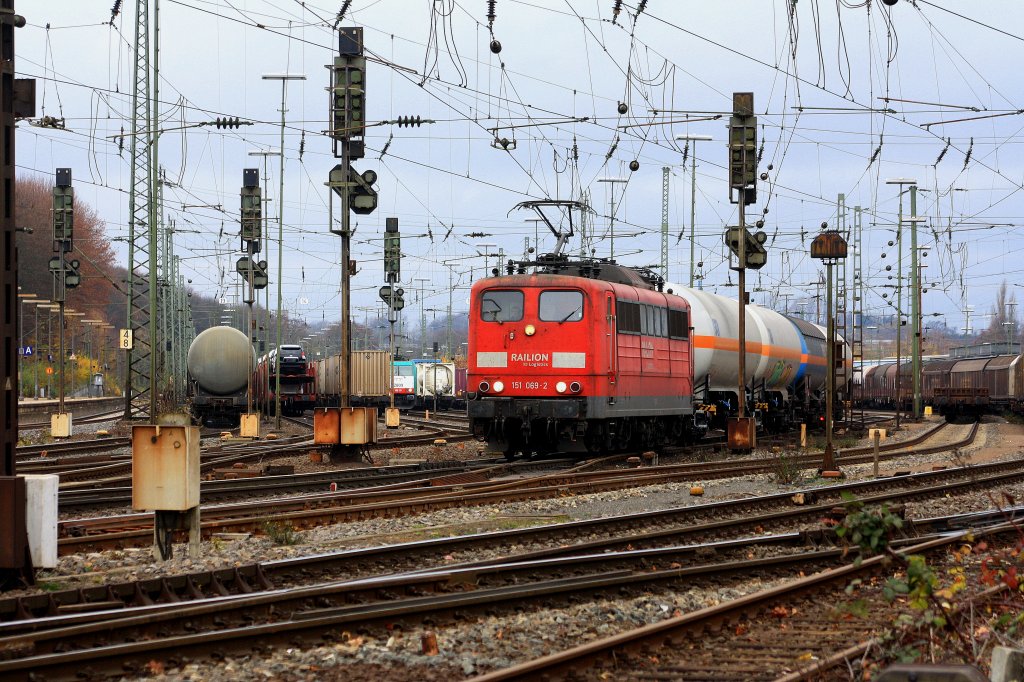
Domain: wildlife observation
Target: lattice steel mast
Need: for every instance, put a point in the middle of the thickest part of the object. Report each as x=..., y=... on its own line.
x=140, y=381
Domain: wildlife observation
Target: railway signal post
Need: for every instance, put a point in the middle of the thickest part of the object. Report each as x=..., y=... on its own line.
x=743, y=179
x=392, y=295
x=254, y=273
x=347, y=426
x=65, y=276
x=830, y=247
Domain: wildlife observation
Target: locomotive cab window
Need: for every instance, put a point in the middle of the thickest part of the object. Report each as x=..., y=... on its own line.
x=501, y=306
x=561, y=306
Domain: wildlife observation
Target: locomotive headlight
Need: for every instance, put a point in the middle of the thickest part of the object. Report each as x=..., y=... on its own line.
x=499, y=386
x=530, y=330
x=484, y=387
x=575, y=387
x=560, y=387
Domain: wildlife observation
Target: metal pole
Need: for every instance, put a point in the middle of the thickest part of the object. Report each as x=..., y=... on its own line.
x=830, y=375
x=346, y=281
x=899, y=310
x=280, y=267
x=741, y=405
x=693, y=207
x=154, y=341
x=21, y=344
x=35, y=335
x=60, y=379
x=448, y=330
x=49, y=350
x=915, y=304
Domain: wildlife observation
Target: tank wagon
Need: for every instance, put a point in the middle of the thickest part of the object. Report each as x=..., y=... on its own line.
x=435, y=384
x=220, y=363
x=596, y=356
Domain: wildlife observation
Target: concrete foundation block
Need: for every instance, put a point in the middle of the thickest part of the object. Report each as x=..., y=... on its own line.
x=1007, y=664
x=41, y=518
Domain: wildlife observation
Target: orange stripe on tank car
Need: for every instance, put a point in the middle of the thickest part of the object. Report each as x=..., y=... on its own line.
x=754, y=348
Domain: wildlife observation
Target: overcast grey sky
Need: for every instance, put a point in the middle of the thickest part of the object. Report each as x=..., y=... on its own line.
x=819, y=77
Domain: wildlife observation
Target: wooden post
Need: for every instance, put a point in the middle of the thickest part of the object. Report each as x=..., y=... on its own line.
x=878, y=437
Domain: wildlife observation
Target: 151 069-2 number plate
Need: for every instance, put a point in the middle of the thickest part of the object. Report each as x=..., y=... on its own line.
x=529, y=385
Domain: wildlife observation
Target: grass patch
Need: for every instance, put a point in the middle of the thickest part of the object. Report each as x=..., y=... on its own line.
x=787, y=471
x=281, y=533
x=1013, y=417
x=838, y=442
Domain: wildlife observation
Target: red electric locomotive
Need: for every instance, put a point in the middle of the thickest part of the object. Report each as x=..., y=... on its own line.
x=587, y=354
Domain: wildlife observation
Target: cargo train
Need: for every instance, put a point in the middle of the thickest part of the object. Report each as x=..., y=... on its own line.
x=590, y=355
x=976, y=380
x=416, y=383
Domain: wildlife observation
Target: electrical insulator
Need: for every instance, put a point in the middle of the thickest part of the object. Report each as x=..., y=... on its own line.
x=409, y=121
x=227, y=122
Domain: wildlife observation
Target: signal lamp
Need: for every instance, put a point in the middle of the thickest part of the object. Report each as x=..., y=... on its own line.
x=484, y=387
x=499, y=387
x=560, y=387
x=530, y=330
x=575, y=387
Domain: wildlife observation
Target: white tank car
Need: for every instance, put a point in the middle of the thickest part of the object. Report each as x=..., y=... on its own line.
x=435, y=378
x=221, y=360
x=777, y=352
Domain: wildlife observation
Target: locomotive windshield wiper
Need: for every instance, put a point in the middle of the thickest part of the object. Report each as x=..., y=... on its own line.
x=493, y=313
x=566, y=318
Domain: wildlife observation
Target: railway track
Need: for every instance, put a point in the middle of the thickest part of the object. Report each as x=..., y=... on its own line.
x=792, y=632
x=391, y=501
x=112, y=415
x=114, y=637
